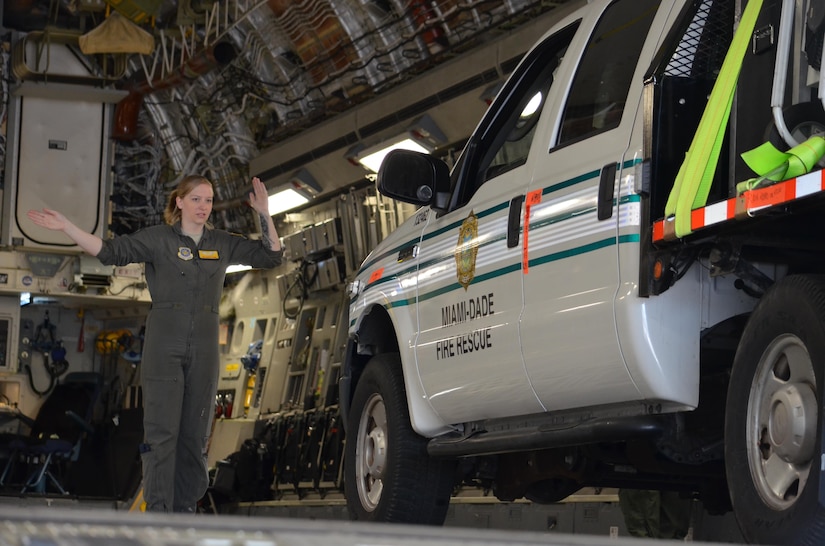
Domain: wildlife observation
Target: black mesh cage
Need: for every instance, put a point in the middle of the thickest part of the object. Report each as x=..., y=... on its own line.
x=683, y=77
x=702, y=49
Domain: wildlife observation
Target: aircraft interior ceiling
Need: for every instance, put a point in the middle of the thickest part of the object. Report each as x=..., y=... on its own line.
x=287, y=90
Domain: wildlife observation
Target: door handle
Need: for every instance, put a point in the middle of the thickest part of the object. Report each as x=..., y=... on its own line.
x=607, y=185
x=514, y=221
x=407, y=253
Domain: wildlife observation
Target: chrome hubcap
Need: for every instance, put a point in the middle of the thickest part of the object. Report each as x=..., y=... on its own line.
x=371, y=452
x=782, y=422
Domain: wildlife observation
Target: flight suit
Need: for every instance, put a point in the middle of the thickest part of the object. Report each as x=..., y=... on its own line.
x=180, y=363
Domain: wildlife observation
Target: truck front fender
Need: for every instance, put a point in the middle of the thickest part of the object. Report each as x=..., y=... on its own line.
x=375, y=332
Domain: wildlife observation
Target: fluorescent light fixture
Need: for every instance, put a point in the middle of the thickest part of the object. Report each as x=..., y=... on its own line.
x=237, y=268
x=286, y=199
x=422, y=135
x=298, y=191
x=372, y=159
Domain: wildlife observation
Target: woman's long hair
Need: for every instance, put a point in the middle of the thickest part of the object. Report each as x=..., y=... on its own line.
x=172, y=213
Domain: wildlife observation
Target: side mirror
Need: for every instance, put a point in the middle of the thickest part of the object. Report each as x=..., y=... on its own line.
x=416, y=178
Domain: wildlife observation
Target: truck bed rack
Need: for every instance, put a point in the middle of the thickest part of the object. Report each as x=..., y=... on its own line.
x=749, y=204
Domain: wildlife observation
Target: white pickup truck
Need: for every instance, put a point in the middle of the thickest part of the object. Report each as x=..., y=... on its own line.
x=602, y=291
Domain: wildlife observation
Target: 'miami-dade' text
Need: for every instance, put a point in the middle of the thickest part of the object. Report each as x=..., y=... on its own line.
x=467, y=341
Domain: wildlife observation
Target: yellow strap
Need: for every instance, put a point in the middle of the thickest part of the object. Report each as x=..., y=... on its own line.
x=692, y=184
x=772, y=166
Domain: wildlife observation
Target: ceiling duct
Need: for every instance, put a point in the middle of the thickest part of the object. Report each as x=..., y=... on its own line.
x=35, y=56
x=138, y=11
x=126, y=113
x=317, y=35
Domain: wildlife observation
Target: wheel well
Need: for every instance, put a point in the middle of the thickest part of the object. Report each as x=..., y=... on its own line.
x=719, y=342
x=718, y=348
x=375, y=335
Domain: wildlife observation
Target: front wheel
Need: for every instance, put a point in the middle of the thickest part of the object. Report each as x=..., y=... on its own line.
x=389, y=476
x=774, y=415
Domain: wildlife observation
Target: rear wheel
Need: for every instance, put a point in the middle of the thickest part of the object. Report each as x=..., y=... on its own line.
x=773, y=416
x=389, y=476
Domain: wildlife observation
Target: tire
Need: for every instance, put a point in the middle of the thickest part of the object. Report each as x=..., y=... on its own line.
x=775, y=395
x=388, y=475
x=803, y=120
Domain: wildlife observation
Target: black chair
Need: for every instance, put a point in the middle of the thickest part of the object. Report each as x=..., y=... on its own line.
x=62, y=422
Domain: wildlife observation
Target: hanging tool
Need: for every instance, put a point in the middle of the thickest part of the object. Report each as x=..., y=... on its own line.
x=81, y=339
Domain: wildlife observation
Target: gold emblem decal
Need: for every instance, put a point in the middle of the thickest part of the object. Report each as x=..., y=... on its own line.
x=466, y=251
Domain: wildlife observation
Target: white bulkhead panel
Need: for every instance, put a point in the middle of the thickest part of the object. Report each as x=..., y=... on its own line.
x=58, y=157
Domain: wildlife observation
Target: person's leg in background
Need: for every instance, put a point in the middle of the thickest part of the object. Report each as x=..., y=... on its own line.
x=640, y=508
x=162, y=396
x=674, y=515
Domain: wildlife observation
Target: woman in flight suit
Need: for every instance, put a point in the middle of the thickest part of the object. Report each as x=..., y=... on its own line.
x=186, y=262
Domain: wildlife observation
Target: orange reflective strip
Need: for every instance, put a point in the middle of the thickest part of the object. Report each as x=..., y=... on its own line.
x=533, y=198
x=658, y=230
x=697, y=219
x=770, y=195
x=749, y=202
x=377, y=274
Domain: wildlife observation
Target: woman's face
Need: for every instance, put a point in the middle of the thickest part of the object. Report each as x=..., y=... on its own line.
x=196, y=206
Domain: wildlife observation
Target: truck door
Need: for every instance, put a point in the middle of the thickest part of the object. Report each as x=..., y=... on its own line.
x=470, y=281
x=572, y=229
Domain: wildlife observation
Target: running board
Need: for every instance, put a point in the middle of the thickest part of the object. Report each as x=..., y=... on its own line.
x=544, y=436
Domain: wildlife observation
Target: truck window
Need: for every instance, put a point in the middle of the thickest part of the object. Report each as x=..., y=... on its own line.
x=523, y=111
x=597, y=97
x=503, y=139
x=516, y=146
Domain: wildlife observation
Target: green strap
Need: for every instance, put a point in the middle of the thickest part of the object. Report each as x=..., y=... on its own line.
x=774, y=166
x=692, y=185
